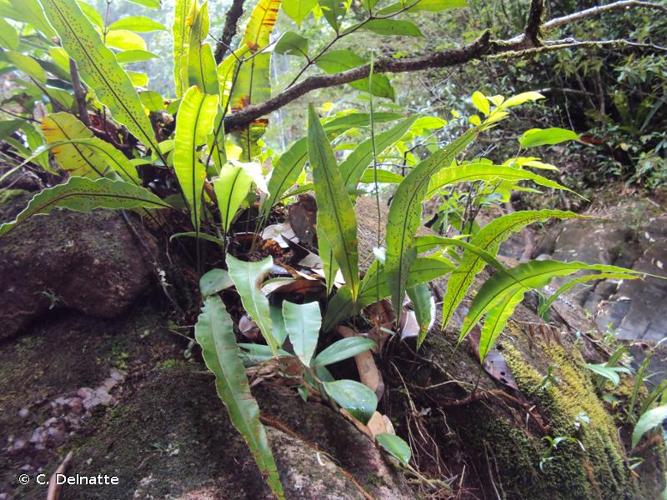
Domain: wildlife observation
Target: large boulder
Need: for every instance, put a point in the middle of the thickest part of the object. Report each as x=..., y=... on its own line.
x=93, y=263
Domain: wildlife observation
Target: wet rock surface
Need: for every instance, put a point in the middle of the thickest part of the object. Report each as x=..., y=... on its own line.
x=633, y=234
x=92, y=263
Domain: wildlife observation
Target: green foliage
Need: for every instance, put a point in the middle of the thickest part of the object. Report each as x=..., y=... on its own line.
x=395, y=446
x=98, y=67
x=302, y=322
x=231, y=188
x=648, y=421
x=215, y=335
x=247, y=277
x=347, y=153
x=502, y=293
x=84, y=195
x=196, y=115
x=336, y=218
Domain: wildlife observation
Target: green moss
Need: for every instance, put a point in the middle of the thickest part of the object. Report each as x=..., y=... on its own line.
x=172, y=364
x=574, y=411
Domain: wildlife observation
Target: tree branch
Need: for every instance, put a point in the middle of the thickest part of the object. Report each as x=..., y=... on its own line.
x=532, y=29
x=229, y=30
x=522, y=45
x=600, y=9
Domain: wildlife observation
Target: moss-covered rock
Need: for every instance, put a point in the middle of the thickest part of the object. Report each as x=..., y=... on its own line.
x=93, y=263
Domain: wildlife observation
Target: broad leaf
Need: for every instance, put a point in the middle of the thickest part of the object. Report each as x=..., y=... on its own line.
x=335, y=61
x=194, y=123
x=302, y=322
x=151, y=4
x=297, y=10
x=395, y=446
x=539, y=137
x=231, y=188
x=649, y=420
x=99, y=68
x=405, y=215
x=292, y=44
x=423, y=5
x=214, y=332
x=133, y=56
x=247, y=277
x=214, y=281
x=392, y=27
x=343, y=349
x=84, y=195
x=125, y=40
x=336, y=217
x=334, y=11
x=355, y=397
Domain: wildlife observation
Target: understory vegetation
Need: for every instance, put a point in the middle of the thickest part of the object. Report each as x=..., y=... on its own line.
x=270, y=230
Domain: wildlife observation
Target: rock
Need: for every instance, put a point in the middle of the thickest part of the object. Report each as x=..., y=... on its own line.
x=91, y=263
x=632, y=233
x=166, y=435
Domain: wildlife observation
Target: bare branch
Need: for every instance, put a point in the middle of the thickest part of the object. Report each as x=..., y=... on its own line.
x=600, y=9
x=523, y=45
x=229, y=30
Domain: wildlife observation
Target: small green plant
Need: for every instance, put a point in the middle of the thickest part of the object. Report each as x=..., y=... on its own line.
x=105, y=137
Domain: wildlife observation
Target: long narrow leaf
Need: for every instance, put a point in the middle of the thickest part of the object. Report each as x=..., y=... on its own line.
x=194, y=123
x=201, y=63
x=489, y=239
x=79, y=152
x=544, y=307
x=405, y=215
x=358, y=160
x=471, y=172
x=423, y=270
x=214, y=332
x=98, y=67
x=231, y=188
x=505, y=290
x=181, y=36
x=84, y=195
x=336, y=217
